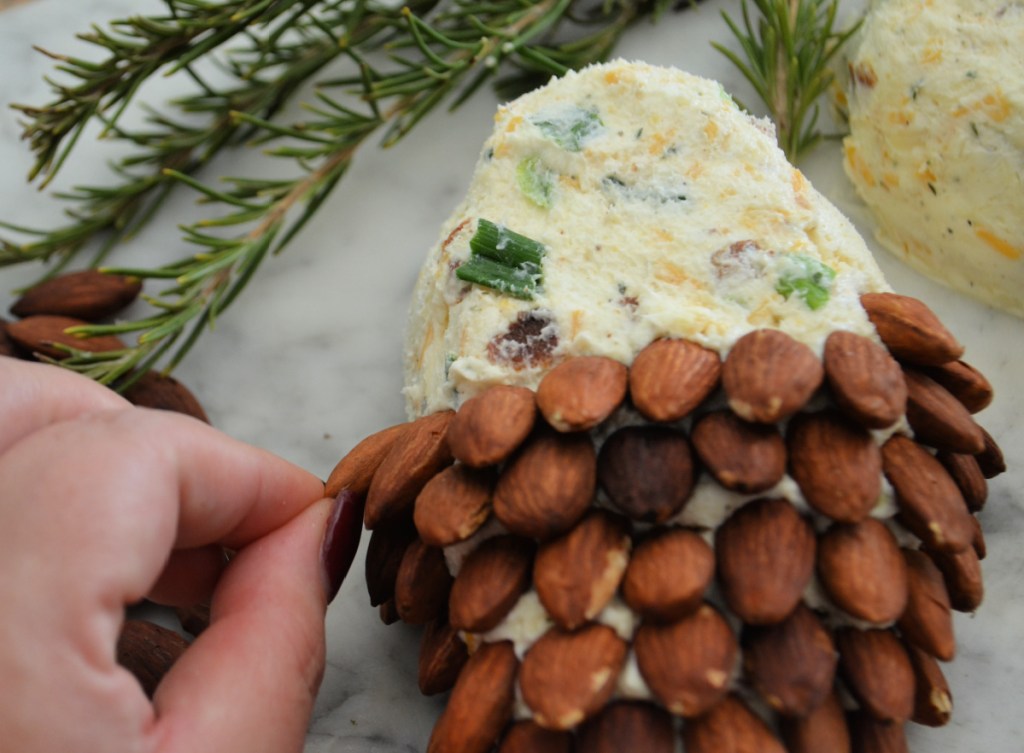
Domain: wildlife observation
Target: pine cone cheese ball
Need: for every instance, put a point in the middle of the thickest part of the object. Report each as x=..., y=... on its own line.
x=725, y=503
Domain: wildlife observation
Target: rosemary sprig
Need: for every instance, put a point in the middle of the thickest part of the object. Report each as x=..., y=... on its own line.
x=787, y=52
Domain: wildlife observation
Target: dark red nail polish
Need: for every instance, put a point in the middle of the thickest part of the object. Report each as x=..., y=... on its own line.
x=341, y=540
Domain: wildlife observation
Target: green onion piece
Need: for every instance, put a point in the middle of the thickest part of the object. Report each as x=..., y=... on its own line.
x=506, y=246
x=536, y=182
x=572, y=129
x=516, y=282
x=807, y=278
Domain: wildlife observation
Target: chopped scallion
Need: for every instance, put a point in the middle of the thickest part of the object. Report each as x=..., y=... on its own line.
x=499, y=243
x=536, y=182
x=572, y=128
x=807, y=278
x=516, y=282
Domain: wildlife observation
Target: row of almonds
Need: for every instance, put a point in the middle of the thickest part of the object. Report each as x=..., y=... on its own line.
x=536, y=463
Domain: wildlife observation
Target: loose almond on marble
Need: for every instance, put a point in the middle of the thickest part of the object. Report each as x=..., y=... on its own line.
x=836, y=464
x=527, y=737
x=769, y=376
x=453, y=505
x=990, y=460
x=443, y=654
x=628, y=726
x=581, y=392
x=730, y=727
x=577, y=574
x=865, y=380
x=668, y=575
x=356, y=469
x=743, y=457
x=765, y=558
x=154, y=390
x=870, y=735
x=688, y=663
x=961, y=572
x=490, y=426
x=480, y=704
x=933, y=703
x=44, y=333
x=939, y=419
x=90, y=295
x=927, y=621
x=647, y=472
x=384, y=557
x=877, y=672
x=669, y=378
x=862, y=570
x=967, y=475
x=567, y=677
x=823, y=730
x=422, y=584
x=965, y=383
x=491, y=580
x=910, y=330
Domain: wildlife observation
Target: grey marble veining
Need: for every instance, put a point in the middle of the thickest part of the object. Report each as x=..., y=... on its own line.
x=307, y=362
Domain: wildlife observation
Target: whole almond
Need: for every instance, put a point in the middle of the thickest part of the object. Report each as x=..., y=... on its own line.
x=388, y=612
x=490, y=426
x=647, y=472
x=862, y=570
x=44, y=333
x=823, y=730
x=870, y=735
x=687, y=664
x=567, y=677
x=965, y=383
x=148, y=651
x=877, y=672
x=194, y=618
x=154, y=390
x=480, y=704
x=668, y=575
x=910, y=330
x=491, y=580
x=978, y=539
x=669, y=378
x=927, y=621
x=769, y=376
x=577, y=574
x=7, y=345
x=939, y=419
x=961, y=572
x=548, y=485
x=453, y=505
x=967, y=475
x=730, y=727
x=765, y=558
x=356, y=469
x=743, y=457
x=422, y=584
x=443, y=654
x=384, y=557
x=581, y=392
x=90, y=295
x=836, y=464
x=866, y=382
x=528, y=737
x=933, y=703
x=628, y=726
x=930, y=504
x=990, y=460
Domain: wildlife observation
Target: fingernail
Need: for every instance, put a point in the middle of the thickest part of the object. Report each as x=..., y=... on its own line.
x=341, y=540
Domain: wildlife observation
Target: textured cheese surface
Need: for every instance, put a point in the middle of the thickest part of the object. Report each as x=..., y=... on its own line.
x=936, y=105
x=666, y=211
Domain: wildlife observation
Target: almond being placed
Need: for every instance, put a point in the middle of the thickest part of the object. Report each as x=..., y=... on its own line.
x=453, y=505
x=628, y=726
x=877, y=672
x=43, y=333
x=769, y=376
x=933, y=703
x=384, y=557
x=356, y=469
x=491, y=580
x=730, y=727
x=581, y=392
x=90, y=295
x=927, y=621
x=743, y=457
x=910, y=330
x=823, y=730
x=647, y=472
x=148, y=651
x=155, y=390
x=527, y=737
x=490, y=426
x=939, y=419
x=668, y=575
x=443, y=654
x=669, y=378
x=866, y=382
x=967, y=475
x=961, y=572
x=965, y=383
x=422, y=584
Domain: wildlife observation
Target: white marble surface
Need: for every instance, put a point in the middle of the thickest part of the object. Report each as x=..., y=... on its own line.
x=307, y=362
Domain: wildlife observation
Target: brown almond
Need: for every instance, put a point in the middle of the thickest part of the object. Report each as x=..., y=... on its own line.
x=148, y=651
x=836, y=464
x=933, y=703
x=44, y=333
x=577, y=574
x=965, y=383
x=863, y=571
x=669, y=378
x=765, y=558
x=730, y=727
x=910, y=330
x=422, y=584
x=548, y=485
x=388, y=612
x=416, y=455
x=647, y=472
x=90, y=295
x=154, y=390
x=870, y=735
x=490, y=426
x=961, y=572
x=877, y=672
x=978, y=539
x=939, y=419
x=356, y=469
x=384, y=557
x=967, y=475
x=581, y=392
x=687, y=664
x=443, y=654
x=823, y=730
x=927, y=621
x=792, y=664
x=7, y=345
x=480, y=704
x=866, y=382
x=628, y=726
x=930, y=504
x=990, y=460
x=743, y=457
x=567, y=677
x=769, y=376
x=668, y=575
x=453, y=505
x=528, y=737
x=491, y=580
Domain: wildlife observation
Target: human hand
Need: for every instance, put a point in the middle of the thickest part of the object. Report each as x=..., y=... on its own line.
x=102, y=504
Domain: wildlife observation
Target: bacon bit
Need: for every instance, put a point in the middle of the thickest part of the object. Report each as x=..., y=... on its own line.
x=453, y=233
x=630, y=302
x=529, y=342
x=863, y=74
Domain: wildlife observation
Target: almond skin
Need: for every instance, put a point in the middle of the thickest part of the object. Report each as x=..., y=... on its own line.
x=528, y=737
x=910, y=330
x=453, y=505
x=743, y=457
x=442, y=656
x=628, y=727
x=939, y=419
x=581, y=392
x=647, y=472
x=933, y=703
x=491, y=580
x=422, y=584
x=730, y=727
x=668, y=575
x=990, y=460
x=356, y=469
x=7, y=346
x=670, y=378
x=870, y=735
x=384, y=557
x=823, y=729
x=148, y=651
x=967, y=475
x=961, y=572
x=965, y=383
x=877, y=672
x=927, y=621
x=43, y=333
x=90, y=295
x=490, y=426
x=866, y=382
x=154, y=390
x=863, y=571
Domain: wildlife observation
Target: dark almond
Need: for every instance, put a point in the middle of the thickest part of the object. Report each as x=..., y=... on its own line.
x=910, y=330
x=640, y=727
x=480, y=704
x=939, y=419
x=647, y=472
x=491, y=580
x=548, y=485
x=90, y=295
x=792, y=664
x=388, y=612
x=965, y=383
x=769, y=376
x=668, y=575
x=577, y=574
x=866, y=382
x=990, y=460
x=765, y=558
x=823, y=730
x=836, y=464
x=927, y=621
x=356, y=469
x=194, y=618
x=490, y=426
x=7, y=345
x=568, y=677
x=877, y=672
x=730, y=727
x=863, y=571
x=581, y=392
x=670, y=378
x=416, y=455
x=383, y=558
x=453, y=505
x=962, y=574
x=687, y=664
x=44, y=333
x=930, y=504
x=528, y=737
x=743, y=457
x=148, y=651
x=443, y=654
x=870, y=735
x=422, y=584
x=933, y=703
x=154, y=390
x=967, y=475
